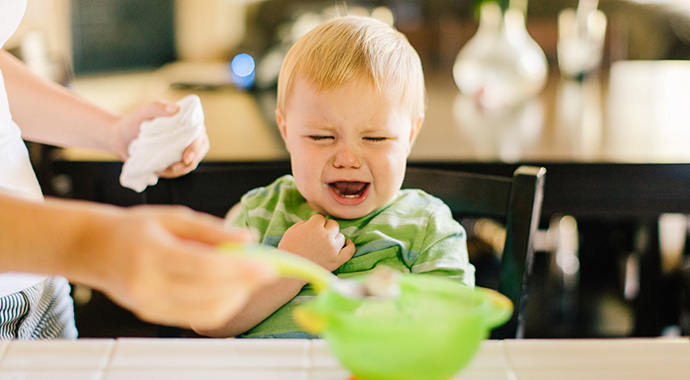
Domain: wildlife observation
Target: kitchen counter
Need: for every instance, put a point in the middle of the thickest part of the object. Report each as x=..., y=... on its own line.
x=236, y=359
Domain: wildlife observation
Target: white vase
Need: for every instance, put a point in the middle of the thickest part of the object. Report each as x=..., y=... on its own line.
x=501, y=65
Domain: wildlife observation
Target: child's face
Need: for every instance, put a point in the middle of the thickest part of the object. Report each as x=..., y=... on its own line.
x=348, y=146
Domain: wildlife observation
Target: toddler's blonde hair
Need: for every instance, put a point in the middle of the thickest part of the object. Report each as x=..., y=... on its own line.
x=353, y=47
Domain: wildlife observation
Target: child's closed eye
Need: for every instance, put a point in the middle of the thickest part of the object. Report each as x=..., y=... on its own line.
x=376, y=139
x=320, y=137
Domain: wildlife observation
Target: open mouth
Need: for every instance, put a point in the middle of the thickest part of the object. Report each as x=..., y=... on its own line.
x=349, y=190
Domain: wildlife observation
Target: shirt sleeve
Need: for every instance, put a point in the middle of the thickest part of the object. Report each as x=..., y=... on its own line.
x=239, y=218
x=444, y=248
x=258, y=206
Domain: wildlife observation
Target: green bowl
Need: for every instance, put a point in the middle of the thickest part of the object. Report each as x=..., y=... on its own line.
x=430, y=332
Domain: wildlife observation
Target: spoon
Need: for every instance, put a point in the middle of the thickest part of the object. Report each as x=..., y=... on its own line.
x=381, y=283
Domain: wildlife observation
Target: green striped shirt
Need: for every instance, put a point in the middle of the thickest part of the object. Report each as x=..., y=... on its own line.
x=414, y=233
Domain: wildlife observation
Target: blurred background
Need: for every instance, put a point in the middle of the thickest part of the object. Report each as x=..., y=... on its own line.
x=102, y=36
x=110, y=51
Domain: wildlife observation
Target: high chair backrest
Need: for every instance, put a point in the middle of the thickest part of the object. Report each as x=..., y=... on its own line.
x=513, y=201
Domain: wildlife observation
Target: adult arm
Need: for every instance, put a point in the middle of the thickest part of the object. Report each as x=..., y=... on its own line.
x=159, y=262
x=51, y=114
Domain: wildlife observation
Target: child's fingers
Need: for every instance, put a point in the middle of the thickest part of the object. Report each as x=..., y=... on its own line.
x=348, y=250
x=332, y=227
x=339, y=240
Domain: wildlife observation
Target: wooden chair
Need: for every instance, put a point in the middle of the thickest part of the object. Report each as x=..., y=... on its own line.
x=516, y=202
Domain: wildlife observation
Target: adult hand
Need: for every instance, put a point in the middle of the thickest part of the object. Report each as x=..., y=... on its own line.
x=162, y=263
x=128, y=129
x=191, y=157
x=319, y=240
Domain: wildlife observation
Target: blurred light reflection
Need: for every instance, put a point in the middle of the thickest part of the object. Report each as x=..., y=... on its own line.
x=242, y=67
x=506, y=133
x=579, y=117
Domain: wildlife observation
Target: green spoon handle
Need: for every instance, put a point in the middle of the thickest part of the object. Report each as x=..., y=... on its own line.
x=285, y=263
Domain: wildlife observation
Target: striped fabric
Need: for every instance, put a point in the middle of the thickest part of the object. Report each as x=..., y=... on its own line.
x=43, y=311
x=414, y=233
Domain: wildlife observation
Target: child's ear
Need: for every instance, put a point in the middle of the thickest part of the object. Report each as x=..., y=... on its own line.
x=414, y=132
x=280, y=120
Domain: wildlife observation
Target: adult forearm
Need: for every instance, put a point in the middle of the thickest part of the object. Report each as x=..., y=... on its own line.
x=49, y=113
x=44, y=238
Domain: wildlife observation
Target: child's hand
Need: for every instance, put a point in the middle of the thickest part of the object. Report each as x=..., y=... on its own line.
x=320, y=241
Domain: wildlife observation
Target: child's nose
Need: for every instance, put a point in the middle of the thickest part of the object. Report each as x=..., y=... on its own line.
x=346, y=157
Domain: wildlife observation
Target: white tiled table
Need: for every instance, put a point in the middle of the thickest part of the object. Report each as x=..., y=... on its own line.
x=230, y=359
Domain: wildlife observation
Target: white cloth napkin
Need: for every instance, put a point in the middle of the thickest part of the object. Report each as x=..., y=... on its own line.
x=161, y=142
